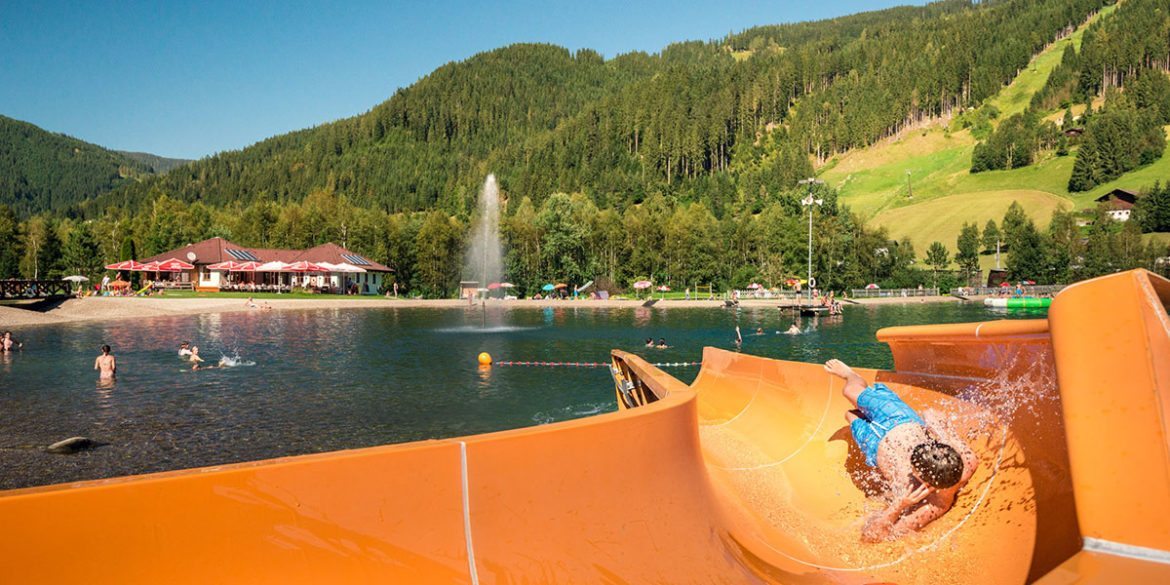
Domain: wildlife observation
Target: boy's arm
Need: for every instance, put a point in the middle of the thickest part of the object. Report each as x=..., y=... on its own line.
x=891, y=523
x=113, y=364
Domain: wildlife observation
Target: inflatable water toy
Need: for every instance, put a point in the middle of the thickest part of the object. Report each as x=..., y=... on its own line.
x=1018, y=302
x=744, y=476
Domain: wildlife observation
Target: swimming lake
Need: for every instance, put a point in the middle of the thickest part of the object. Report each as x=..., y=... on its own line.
x=309, y=381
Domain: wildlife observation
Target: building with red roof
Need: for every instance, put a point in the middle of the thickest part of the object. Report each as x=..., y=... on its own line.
x=343, y=270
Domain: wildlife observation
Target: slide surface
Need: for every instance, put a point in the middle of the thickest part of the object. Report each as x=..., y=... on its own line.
x=748, y=475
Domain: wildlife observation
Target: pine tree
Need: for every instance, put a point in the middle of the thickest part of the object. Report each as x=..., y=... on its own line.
x=938, y=258
x=1027, y=260
x=1014, y=222
x=991, y=236
x=967, y=249
x=79, y=255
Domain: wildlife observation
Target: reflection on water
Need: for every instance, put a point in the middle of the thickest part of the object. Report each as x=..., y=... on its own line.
x=321, y=380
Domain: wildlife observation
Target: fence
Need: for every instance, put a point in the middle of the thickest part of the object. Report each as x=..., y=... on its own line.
x=992, y=291
x=881, y=293
x=34, y=289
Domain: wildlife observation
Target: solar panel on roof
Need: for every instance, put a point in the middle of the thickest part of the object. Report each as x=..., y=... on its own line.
x=355, y=259
x=243, y=255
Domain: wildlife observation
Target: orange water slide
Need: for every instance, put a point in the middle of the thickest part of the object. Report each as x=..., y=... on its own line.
x=746, y=476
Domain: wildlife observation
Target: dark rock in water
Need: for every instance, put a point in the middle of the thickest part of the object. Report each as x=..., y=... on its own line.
x=73, y=445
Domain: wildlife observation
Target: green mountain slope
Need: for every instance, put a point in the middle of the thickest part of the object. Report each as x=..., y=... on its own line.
x=727, y=122
x=933, y=164
x=157, y=164
x=44, y=171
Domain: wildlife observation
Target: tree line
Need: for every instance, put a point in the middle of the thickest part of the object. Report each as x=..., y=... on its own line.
x=567, y=238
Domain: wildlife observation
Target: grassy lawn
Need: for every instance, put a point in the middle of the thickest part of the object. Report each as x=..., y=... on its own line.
x=1162, y=238
x=942, y=219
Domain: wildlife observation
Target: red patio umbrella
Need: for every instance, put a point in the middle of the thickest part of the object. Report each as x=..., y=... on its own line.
x=493, y=286
x=174, y=265
x=228, y=265
x=125, y=265
x=249, y=266
x=305, y=266
x=149, y=267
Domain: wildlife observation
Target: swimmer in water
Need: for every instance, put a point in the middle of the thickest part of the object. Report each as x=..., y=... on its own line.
x=662, y=343
x=759, y=330
x=185, y=349
x=923, y=461
x=196, y=360
x=793, y=330
x=738, y=336
x=649, y=342
x=106, y=364
x=7, y=343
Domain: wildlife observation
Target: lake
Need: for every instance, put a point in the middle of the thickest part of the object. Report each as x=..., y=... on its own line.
x=322, y=380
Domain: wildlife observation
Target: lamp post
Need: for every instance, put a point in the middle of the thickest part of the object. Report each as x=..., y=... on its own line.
x=909, y=188
x=809, y=202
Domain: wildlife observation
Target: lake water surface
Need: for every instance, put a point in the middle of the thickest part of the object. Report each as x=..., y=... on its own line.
x=323, y=380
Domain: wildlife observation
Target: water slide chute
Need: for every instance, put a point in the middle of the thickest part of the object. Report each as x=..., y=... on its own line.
x=745, y=476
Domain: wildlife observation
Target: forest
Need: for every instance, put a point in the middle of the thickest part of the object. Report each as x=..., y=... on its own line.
x=681, y=166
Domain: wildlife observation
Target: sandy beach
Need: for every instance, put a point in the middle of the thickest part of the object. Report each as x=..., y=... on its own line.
x=111, y=308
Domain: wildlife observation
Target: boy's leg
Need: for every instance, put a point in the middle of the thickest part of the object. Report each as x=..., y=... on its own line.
x=854, y=384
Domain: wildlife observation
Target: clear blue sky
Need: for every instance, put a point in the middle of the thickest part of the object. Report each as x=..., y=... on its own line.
x=188, y=79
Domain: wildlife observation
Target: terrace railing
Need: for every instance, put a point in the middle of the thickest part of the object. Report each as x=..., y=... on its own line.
x=992, y=291
x=882, y=293
x=35, y=289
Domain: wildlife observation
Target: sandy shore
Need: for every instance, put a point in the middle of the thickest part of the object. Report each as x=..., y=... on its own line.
x=110, y=308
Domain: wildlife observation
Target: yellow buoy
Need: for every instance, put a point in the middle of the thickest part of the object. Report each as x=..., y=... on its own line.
x=485, y=359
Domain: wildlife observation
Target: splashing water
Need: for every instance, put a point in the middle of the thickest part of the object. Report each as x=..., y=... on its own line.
x=234, y=361
x=484, y=262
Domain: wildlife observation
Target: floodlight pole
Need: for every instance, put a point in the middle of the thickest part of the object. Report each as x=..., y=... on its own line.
x=809, y=202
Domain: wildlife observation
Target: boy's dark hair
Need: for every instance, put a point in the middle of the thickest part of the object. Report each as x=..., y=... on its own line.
x=105, y=349
x=938, y=464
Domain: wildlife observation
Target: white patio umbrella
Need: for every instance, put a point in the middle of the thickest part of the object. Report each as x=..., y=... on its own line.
x=76, y=278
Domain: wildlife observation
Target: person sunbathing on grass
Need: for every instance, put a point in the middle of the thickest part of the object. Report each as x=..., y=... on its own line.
x=923, y=462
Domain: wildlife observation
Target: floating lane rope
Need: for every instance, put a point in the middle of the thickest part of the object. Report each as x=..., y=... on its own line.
x=590, y=364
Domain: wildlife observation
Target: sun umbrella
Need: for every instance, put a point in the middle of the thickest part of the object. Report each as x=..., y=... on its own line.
x=1005, y=283
x=507, y=285
x=642, y=284
x=274, y=266
x=547, y=287
x=754, y=285
x=149, y=267
x=174, y=265
x=663, y=288
x=250, y=266
x=561, y=285
x=228, y=265
x=493, y=286
x=305, y=266
x=125, y=265
x=76, y=278
x=346, y=267
x=872, y=286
